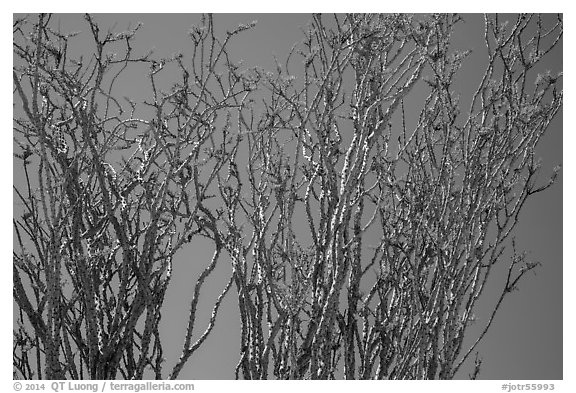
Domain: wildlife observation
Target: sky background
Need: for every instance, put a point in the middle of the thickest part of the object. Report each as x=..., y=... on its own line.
x=525, y=341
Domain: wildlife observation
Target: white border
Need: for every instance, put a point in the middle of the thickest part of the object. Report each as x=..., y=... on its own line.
x=298, y=6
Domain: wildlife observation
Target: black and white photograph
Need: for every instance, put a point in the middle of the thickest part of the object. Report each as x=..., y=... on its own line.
x=288, y=196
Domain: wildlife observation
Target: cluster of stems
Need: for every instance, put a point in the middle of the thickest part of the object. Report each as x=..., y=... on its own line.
x=359, y=240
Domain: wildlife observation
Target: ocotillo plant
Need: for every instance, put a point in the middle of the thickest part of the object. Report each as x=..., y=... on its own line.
x=360, y=242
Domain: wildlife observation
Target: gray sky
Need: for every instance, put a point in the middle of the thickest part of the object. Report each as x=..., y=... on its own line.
x=525, y=341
